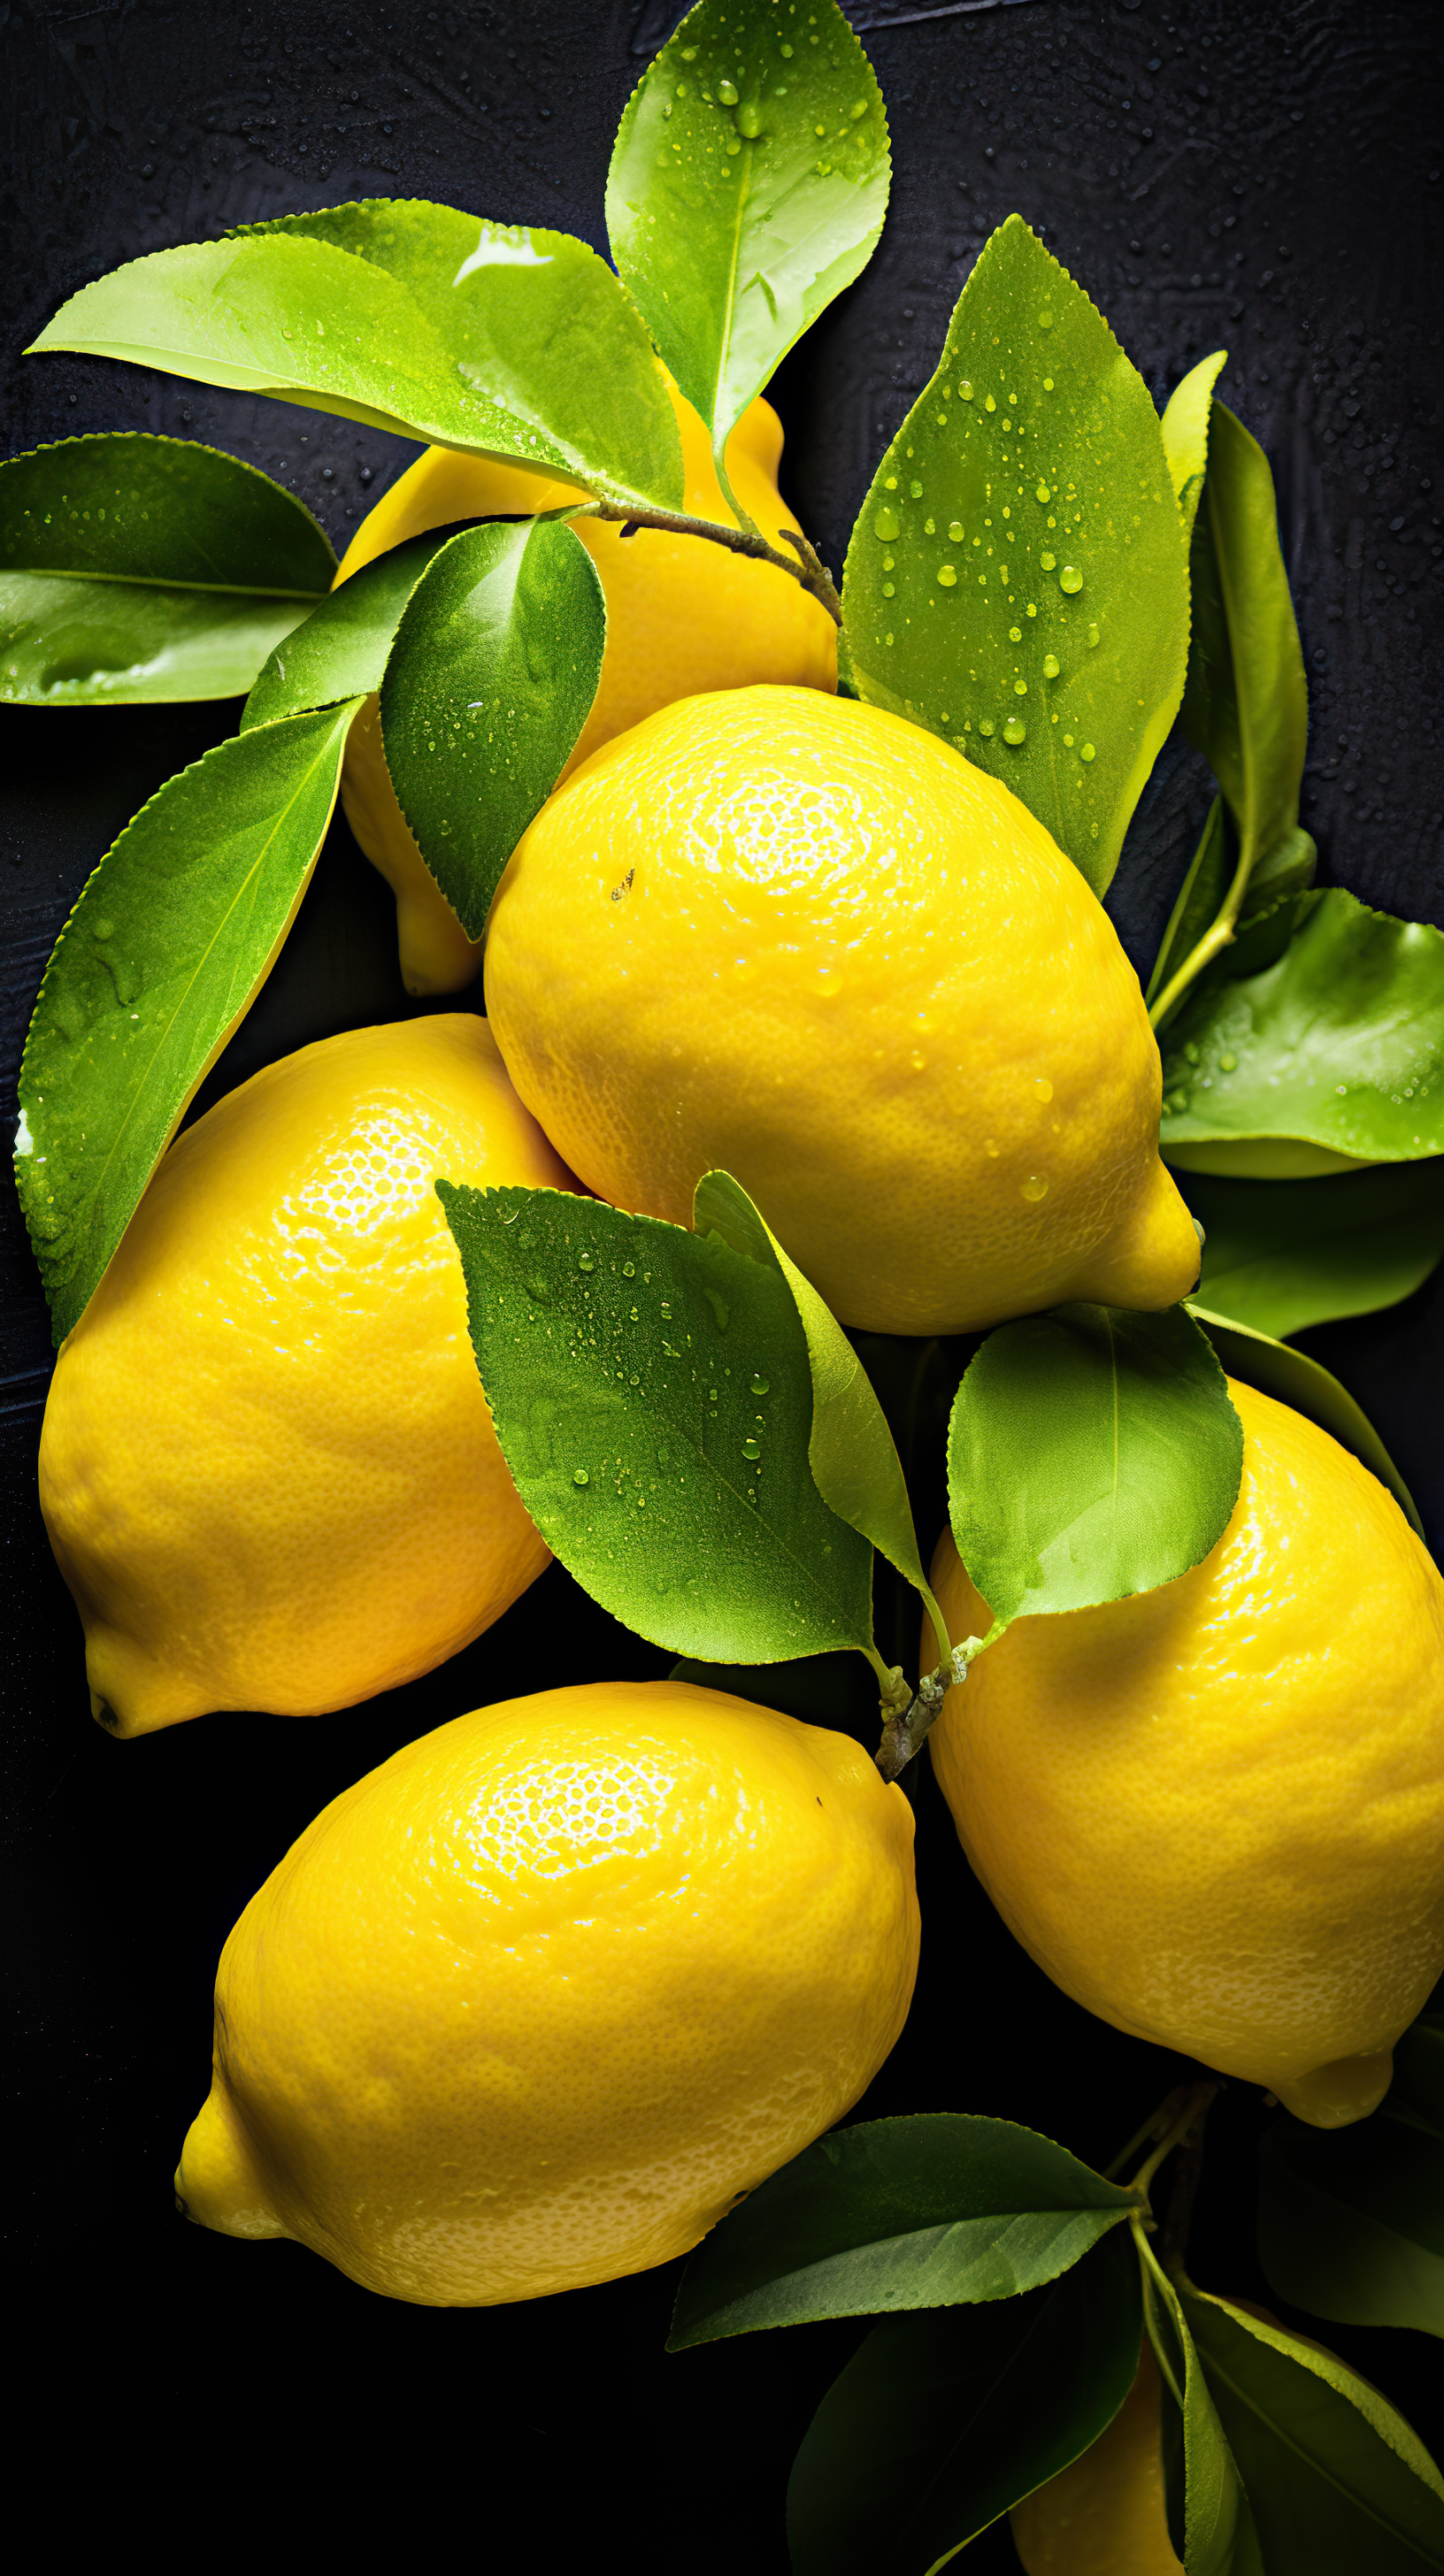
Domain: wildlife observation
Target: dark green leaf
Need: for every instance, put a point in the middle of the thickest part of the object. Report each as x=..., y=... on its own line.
x=490, y=681
x=499, y=339
x=136, y=568
x=1287, y=1374
x=1334, y=1055
x=622, y=1359
x=341, y=650
x=1351, y=2222
x=1200, y=897
x=747, y=188
x=913, y=2213
x=1210, y=2523
x=1281, y=1255
x=943, y=2421
x=1185, y=434
x=1416, y=2095
x=1091, y=1453
x=1023, y=518
x=173, y=935
x=1337, y=2481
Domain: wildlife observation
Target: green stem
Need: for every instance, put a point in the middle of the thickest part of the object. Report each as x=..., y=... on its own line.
x=743, y=517
x=738, y=541
x=1193, y=2112
x=1218, y=936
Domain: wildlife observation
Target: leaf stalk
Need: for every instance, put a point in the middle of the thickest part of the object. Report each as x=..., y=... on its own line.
x=810, y=571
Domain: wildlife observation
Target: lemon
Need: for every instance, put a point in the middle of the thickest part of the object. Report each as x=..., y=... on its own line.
x=1105, y=2515
x=1214, y=1813
x=267, y=1466
x=800, y=939
x=537, y=2001
x=683, y=614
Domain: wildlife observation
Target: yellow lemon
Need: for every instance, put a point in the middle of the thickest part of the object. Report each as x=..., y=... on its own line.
x=1214, y=1813
x=682, y=615
x=537, y=2001
x=801, y=939
x=1105, y=2515
x=267, y=1466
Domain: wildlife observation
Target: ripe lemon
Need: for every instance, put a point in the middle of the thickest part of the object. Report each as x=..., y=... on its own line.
x=1105, y=2515
x=534, y=2003
x=682, y=615
x=1214, y=1813
x=267, y=1466
x=801, y=939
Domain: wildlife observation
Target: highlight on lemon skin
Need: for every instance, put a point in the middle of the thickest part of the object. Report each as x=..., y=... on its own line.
x=267, y=1467
x=795, y=938
x=1214, y=1812
x=683, y=614
x=630, y=1947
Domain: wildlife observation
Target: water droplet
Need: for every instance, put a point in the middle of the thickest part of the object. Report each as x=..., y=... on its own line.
x=889, y=590
x=580, y=1476
x=666, y=1311
x=786, y=51
x=1035, y=1187
x=887, y=526
x=1088, y=752
x=1043, y=1087
x=955, y=532
x=965, y=390
x=1045, y=318
x=1020, y=688
x=629, y=1270
x=947, y=575
x=1051, y=666
x=1047, y=562
x=916, y=490
x=1015, y=731
x=986, y=725
x=1191, y=1052
x=988, y=403
x=104, y=929
x=857, y=109
x=1092, y=634
x=1047, y=384
x=1228, y=1064
x=829, y=978
x=990, y=1149
x=751, y=1448
x=1043, y=492
x=585, y=1261
x=727, y=92
x=733, y=148
x=1015, y=635
x=749, y=121
x=758, y=1384
x=1070, y=579
x=918, y=1061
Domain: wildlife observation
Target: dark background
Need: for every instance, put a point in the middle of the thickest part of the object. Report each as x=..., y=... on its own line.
x=1261, y=174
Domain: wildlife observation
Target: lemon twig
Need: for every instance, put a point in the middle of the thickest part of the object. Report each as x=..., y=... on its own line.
x=1185, y=2130
x=1218, y=936
x=904, y=1731
x=811, y=572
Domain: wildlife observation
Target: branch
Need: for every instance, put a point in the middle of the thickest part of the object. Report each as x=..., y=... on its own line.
x=810, y=572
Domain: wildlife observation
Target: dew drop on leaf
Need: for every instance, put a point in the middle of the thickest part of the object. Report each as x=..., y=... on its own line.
x=1070, y=579
x=585, y=1261
x=1015, y=731
x=1051, y=666
x=580, y=1476
x=965, y=390
x=947, y=575
x=886, y=525
x=758, y=1384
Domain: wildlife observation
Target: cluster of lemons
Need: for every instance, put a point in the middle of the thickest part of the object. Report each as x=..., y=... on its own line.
x=537, y=2001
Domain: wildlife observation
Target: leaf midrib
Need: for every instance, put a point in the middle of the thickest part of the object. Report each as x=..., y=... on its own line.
x=154, y=581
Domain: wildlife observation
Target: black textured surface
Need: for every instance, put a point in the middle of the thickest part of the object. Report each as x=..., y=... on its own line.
x=1261, y=174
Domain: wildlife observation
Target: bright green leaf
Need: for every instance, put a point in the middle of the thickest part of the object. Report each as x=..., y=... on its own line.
x=911, y=2213
x=1267, y=913
x=490, y=681
x=173, y=935
x=137, y=568
x=1017, y=580
x=1092, y=1453
x=1282, y=1255
x=1351, y=2222
x=1335, y=1054
x=942, y=2421
x=1211, y=2524
x=1185, y=434
x=1337, y=2481
x=1292, y=1378
x=497, y=339
x=341, y=650
x=653, y=1401
x=747, y=189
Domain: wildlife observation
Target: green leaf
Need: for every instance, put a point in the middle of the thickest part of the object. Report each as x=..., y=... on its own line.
x=341, y=650
x=941, y=2422
x=854, y=1459
x=1267, y=913
x=964, y=585
x=1185, y=434
x=490, y=681
x=1351, y=2222
x=1337, y=2481
x=1416, y=2095
x=174, y=933
x=498, y=339
x=1091, y=1453
x=748, y=187
x=911, y=2213
x=1281, y=1255
x=1335, y=1054
x=1199, y=899
x=1294, y=1379
x=1211, y=2524
x=652, y=1397
x=137, y=568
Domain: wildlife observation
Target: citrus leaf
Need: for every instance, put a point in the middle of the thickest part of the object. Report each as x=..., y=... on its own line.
x=1092, y=1453
x=173, y=935
x=499, y=339
x=1017, y=579
x=941, y=2422
x=490, y=681
x=1334, y=1054
x=136, y=568
x=1282, y=1255
x=911, y=2213
x=854, y=1459
x=1185, y=434
x=1199, y=899
x=1416, y=2095
x=652, y=1398
x=341, y=650
x=748, y=187
x=1210, y=2522
x=1336, y=2480
x=1292, y=1377
x=1351, y=2222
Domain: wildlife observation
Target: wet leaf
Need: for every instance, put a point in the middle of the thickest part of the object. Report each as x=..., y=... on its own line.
x=341, y=650
x=1017, y=579
x=1294, y=1379
x=174, y=933
x=1351, y=2221
x=1282, y=1255
x=135, y=569
x=747, y=189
